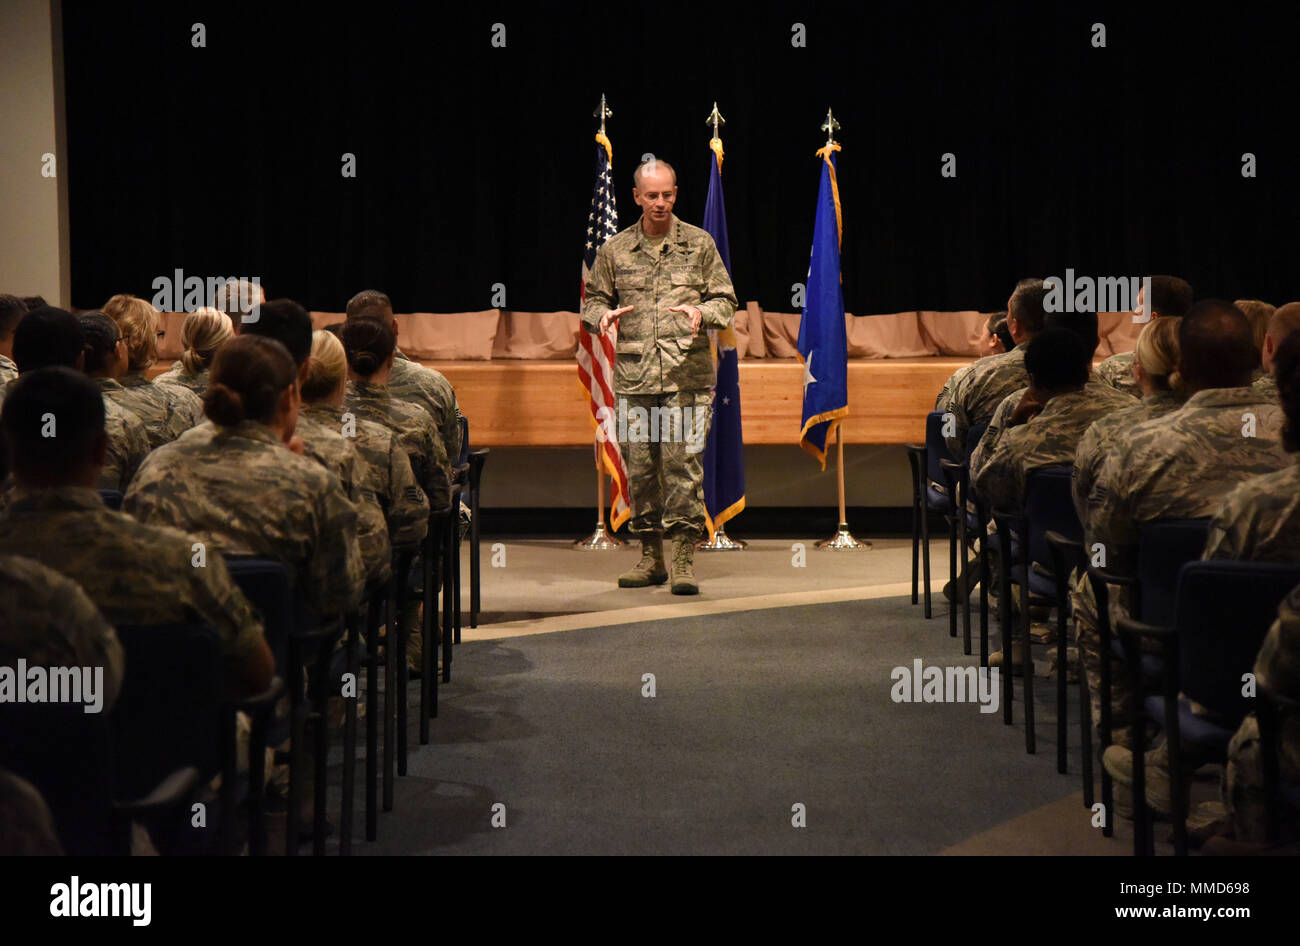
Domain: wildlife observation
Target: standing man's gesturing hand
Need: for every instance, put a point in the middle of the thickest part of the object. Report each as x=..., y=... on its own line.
x=610, y=318
x=695, y=314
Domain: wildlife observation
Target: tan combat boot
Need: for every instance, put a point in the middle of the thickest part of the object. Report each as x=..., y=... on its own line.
x=650, y=570
x=684, y=568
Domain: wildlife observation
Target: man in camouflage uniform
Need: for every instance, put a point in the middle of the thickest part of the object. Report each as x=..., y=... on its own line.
x=1284, y=321
x=669, y=284
x=47, y=620
x=1177, y=466
x=410, y=382
x=977, y=393
x=48, y=337
x=132, y=572
x=990, y=344
x=12, y=311
x=1170, y=297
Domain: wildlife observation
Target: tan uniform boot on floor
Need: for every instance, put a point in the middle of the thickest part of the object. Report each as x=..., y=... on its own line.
x=684, y=568
x=650, y=570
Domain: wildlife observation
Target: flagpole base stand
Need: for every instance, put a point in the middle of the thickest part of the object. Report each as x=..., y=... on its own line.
x=721, y=542
x=843, y=540
x=599, y=541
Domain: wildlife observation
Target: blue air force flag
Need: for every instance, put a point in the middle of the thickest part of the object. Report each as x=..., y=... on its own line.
x=823, y=343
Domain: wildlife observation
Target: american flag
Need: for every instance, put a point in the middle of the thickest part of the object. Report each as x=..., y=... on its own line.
x=596, y=352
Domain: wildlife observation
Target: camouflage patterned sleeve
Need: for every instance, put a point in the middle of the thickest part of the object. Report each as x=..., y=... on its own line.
x=137, y=448
x=1226, y=539
x=992, y=435
x=1088, y=457
x=1278, y=662
x=600, y=290
x=718, y=301
x=408, y=507
x=336, y=573
x=1110, y=520
x=438, y=483
x=960, y=421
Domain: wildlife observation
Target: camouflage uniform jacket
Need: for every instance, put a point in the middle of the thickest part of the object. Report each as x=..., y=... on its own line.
x=415, y=432
x=1106, y=436
x=128, y=445
x=242, y=491
x=1117, y=371
x=47, y=620
x=8, y=370
x=1266, y=386
x=134, y=573
x=166, y=412
x=417, y=384
x=977, y=394
x=385, y=471
x=1260, y=520
x=1181, y=464
x=323, y=442
x=655, y=352
x=1001, y=461
x=178, y=376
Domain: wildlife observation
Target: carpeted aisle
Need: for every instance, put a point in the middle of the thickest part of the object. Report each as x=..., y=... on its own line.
x=753, y=713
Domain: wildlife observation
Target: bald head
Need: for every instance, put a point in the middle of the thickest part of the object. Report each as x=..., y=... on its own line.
x=653, y=167
x=1283, y=322
x=1216, y=346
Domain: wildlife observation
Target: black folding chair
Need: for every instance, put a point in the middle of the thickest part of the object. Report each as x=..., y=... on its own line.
x=68, y=755
x=1222, y=611
x=960, y=520
x=1164, y=546
x=926, y=474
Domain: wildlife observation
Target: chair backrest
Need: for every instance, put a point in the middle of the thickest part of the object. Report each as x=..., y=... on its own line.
x=67, y=754
x=1164, y=546
x=168, y=715
x=463, y=422
x=1225, y=609
x=974, y=434
x=111, y=498
x=1049, y=506
x=268, y=585
x=936, y=448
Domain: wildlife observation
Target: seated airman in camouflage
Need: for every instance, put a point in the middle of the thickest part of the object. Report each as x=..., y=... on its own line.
x=47, y=620
x=1041, y=425
x=1155, y=369
x=167, y=411
x=1177, y=465
x=237, y=484
x=48, y=337
x=203, y=332
x=1281, y=324
x=1171, y=297
x=132, y=572
x=976, y=395
x=407, y=381
x=992, y=342
x=391, y=504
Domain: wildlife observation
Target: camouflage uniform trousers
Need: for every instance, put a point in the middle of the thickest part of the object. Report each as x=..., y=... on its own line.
x=1088, y=640
x=665, y=461
x=1242, y=782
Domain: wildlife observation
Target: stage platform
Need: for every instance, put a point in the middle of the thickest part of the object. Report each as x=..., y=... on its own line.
x=533, y=404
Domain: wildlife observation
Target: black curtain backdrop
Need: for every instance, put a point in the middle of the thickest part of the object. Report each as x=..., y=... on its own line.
x=475, y=164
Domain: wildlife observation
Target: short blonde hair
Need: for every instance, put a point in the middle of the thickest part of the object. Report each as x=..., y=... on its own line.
x=137, y=320
x=327, y=368
x=205, y=330
x=1157, y=352
x=1258, y=314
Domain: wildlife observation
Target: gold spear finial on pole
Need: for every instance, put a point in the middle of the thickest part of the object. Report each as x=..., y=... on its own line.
x=602, y=113
x=830, y=126
x=715, y=118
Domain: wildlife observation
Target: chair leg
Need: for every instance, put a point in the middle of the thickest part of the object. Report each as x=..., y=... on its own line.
x=1004, y=607
x=1173, y=745
x=925, y=554
x=455, y=584
x=952, y=570
x=373, y=613
x=350, y=739
x=1062, y=705
x=297, y=736
x=257, y=783
x=403, y=671
x=1141, y=816
x=428, y=666
x=321, y=746
x=916, y=534
x=1030, y=733
x=1103, y=700
x=390, y=690
x=448, y=576
x=475, y=566
x=984, y=596
x=1085, y=738
x=964, y=579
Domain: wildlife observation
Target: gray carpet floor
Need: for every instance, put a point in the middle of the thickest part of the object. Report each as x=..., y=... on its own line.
x=753, y=714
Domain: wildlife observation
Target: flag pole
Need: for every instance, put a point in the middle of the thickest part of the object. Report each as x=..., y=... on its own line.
x=720, y=541
x=600, y=540
x=843, y=539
